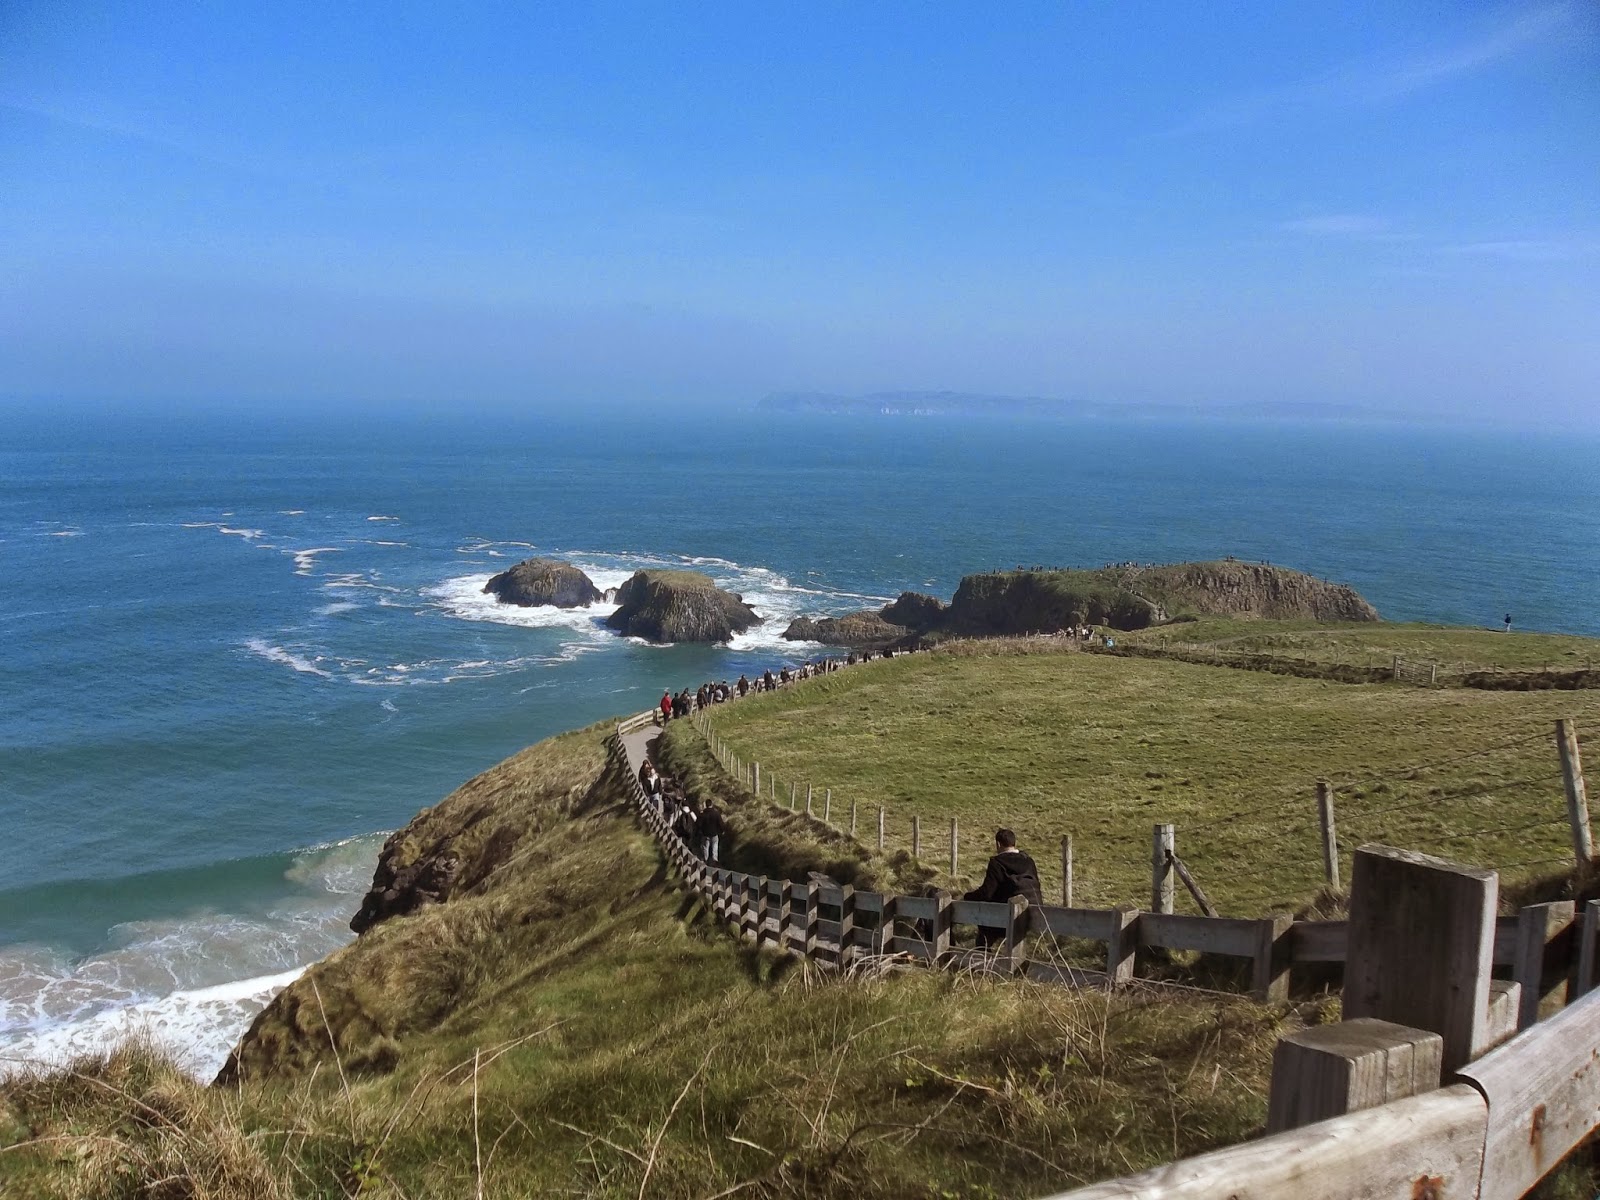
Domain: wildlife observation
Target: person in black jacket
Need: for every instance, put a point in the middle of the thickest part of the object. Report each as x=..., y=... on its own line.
x=1010, y=873
x=708, y=831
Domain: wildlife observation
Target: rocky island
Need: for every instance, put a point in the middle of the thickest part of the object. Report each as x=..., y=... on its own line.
x=679, y=606
x=1127, y=597
x=544, y=581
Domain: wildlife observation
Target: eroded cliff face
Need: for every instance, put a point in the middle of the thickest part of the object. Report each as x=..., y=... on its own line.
x=544, y=581
x=1124, y=597
x=491, y=873
x=679, y=606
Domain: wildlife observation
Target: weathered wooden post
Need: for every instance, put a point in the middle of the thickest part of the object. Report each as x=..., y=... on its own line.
x=916, y=838
x=1122, y=940
x=755, y=775
x=852, y=818
x=808, y=799
x=1537, y=926
x=1066, y=871
x=883, y=935
x=1330, y=840
x=1269, y=971
x=880, y=827
x=1577, y=794
x=943, y=922
x=1397, y=668
x=1330, y=1070
x=1162, y=849
x=812, y=919
x=827, y=807
x=1421, y=946
x=954, y=844
x=792, y=787
x=1016, y=930
x=847, y=925
x=785, y=899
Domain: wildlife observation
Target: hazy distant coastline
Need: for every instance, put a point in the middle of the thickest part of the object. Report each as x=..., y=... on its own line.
x=978, y=404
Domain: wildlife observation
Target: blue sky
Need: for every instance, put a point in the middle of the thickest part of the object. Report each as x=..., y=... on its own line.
x=1393, y=206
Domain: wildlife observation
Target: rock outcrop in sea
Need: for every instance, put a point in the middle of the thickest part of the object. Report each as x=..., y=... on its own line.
x=679, y=606
x=544, y=581
x=853, y=629
x=1128, y=596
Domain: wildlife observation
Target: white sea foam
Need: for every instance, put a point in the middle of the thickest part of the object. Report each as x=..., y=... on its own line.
x=338, y=606
x=192, y=983
x=291, y=512
x=463, y=597
x=388, y=705
x=383, y=518
x=277, y=654
x=248, y=535
x=305, y=561
x=66, y=533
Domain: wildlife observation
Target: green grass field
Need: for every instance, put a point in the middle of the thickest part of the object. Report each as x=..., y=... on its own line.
x=1058, y=742
x=1455, y=649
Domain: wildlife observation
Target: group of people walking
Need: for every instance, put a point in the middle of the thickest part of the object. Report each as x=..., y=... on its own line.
x=686, y=703
x=700, y=826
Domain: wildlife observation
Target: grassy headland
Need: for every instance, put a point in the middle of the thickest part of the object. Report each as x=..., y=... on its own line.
x=566, y=1024
x=1053, y=741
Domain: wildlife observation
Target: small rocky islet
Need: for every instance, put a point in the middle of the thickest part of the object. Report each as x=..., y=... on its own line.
x=657, y=605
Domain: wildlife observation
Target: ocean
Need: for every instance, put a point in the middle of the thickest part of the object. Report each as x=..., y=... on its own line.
x=239, y=650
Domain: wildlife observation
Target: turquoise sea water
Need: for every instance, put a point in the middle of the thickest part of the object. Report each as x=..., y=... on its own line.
x=237, y=650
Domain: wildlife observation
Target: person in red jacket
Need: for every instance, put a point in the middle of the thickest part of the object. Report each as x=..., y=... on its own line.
x=666, y=707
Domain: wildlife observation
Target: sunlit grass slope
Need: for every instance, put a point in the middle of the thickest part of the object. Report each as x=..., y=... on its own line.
x=1062, y=742
x=567, y=1025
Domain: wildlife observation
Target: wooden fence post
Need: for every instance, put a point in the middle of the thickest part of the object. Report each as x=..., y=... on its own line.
x=942, y=924
x=812, y=920
x=1269, y=972
x=1330, y=840
x=916, y=838
x=1421, y=946
x=1066, y=871
x=1162, y=849
x=808, y=799
x=852, y=818
x=1330, y=1070
x=755, y=774
x=827, y=807
x=1588, y=932
x=1577, y=794
x=1537, y=926
x=954, y=844
x=880, y=827
x=1016, y=930
x=785, y=915
x=1122, y=939
x=883, y=935
x=847, y=925
x=792, y=786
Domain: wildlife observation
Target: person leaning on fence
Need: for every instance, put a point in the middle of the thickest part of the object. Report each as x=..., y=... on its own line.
x=708, y=830
x=1010, y=873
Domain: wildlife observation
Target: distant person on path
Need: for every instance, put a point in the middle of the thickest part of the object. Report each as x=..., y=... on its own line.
x=666, y=707
x=708, y=830
x=1010, y=873
x=1508, y=622
x=744, y=687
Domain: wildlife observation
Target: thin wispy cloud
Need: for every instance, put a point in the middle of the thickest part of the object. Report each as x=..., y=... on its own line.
x=1560, y=249
x=1369, y=82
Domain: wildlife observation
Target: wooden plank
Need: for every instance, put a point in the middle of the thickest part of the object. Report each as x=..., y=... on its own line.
x=1428, y=1146
x=1209, y=935
x=989, y=914
x=921, y=908
x=1538, y=925
x=1047, y=972
x=1421, y=946
x=1543, y=1091
x=1071, y=922
x=1318, y=941
x=1330, y=1070
x=869, y=902
x=1507, y=931
x=1505, y=1006
x=1193, y=888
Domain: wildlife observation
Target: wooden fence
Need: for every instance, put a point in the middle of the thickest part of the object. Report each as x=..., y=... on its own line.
x=837, y=925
